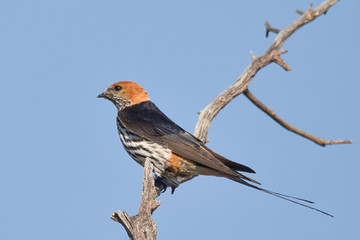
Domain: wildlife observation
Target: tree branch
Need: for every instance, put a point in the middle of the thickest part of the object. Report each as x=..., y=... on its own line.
x=276, y=118
x=142, y=225
x=271, y=55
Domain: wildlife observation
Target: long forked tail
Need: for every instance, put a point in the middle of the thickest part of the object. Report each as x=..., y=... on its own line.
x=279, y=195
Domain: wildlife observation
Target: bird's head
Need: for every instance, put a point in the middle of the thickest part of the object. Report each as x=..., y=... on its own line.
x=124, y=94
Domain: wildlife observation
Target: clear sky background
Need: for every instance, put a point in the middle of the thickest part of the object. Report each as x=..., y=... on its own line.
x=63, y=170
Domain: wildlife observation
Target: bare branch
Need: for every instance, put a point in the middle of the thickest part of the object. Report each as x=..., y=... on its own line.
x=276, y=118
x=253, y=56
x=282, y=63
x=269, y=28
x=142, y=225
x=299, y=12
x=271, y=55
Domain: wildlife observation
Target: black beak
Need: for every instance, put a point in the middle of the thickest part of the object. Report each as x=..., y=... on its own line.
x=102, y=95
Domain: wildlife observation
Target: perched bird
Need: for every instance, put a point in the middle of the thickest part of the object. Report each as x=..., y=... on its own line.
x=177, y=156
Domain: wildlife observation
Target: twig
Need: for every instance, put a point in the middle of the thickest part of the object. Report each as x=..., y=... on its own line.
x=271, y=113
x=271, y=55
x=280, y=61
x=269, y=28
x=142, y=225
x=299, y=12
x=252, y=54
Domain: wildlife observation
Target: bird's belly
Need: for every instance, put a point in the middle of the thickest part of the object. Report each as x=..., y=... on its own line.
x=162, y=158
x=140, y=149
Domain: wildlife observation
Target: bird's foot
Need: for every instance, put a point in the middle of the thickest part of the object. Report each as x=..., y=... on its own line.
x=160, y=185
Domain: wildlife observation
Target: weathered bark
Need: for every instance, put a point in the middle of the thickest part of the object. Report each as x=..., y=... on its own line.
x=142, y=226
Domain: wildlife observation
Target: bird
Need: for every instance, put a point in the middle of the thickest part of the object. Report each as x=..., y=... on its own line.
x=176, y=155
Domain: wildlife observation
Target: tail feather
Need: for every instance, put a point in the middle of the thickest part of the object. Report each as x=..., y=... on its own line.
x=233, y=165
x=280, y=195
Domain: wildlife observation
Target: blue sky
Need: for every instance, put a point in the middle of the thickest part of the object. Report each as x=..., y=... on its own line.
x=63, y=170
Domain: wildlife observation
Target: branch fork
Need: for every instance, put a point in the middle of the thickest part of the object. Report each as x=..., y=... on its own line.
x=273, y=54
x=280, y=61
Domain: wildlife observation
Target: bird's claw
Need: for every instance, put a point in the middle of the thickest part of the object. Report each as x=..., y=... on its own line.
x=160, y=184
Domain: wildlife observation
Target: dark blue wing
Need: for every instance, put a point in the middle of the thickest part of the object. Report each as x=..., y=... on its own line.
x=145, y=118
x=147, y=121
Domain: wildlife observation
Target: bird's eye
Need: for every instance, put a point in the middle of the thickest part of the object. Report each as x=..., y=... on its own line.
x=117, y=88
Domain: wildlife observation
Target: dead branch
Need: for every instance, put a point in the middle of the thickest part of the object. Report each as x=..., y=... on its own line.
x=269, y=28
x=142, y=226
x=276, y=118
x=299, y=12
x=271, y=55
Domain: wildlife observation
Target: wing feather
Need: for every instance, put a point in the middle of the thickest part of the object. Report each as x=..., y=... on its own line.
x=147, y=121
